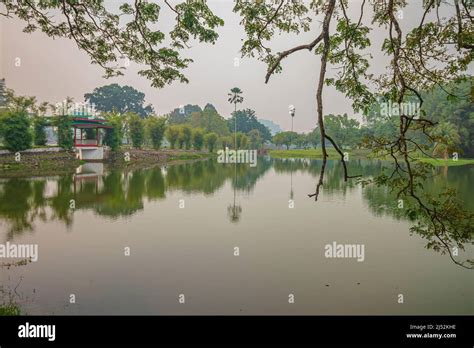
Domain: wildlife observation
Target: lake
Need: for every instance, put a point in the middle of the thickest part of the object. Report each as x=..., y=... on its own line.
x=210, y=238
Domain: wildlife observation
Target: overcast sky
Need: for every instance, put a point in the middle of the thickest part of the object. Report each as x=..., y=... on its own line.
x=53, y=69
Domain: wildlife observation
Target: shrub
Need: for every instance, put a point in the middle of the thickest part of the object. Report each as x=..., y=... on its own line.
x=38, y=130
x=113, y=136
x=136, y=129
x=156, y=130
x=244, y=141
x=226, y=141
x=15, y=130
x=238, y=139
x=65, y=133
x=172, y=134
x=198, y=138
x=185, y=137
x=210, y=141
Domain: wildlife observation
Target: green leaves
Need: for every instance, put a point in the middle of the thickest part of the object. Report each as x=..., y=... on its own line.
x=198, y=138
x=210, y=140
x=235, y=96
x=263, y=19
x=113, y=136
x=121, y=99
x=136, y=130
x=110, y=38
x=155, y=127
x=352, y=67
x=65, y=133
x=39, y=133
x=195, y=19
x=15, y=130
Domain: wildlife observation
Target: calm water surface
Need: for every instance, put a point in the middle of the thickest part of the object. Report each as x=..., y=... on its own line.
x=190, y=250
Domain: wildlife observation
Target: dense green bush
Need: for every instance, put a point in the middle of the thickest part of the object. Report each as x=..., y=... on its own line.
x=15, y=131
x=198, y=138
x=210, y=141
x=226, y=141
x=185, y=136
x=238, y=139
x=113, y=136
x=155, y=130
x=136, y=129
x=39, y=123
x=244, y=140
x=172, y=134
x=65, y=132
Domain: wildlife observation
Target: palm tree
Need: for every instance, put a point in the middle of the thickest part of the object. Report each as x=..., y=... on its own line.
x=234, y=211
x=234, y=98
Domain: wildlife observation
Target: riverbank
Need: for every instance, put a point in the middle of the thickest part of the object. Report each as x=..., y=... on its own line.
x=360, y=154
x=317, y=153
x=41, y=163
x=65, y=162
x=138, y=158
x=443, y=163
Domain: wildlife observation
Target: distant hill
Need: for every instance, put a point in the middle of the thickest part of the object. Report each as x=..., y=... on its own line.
x=274, y=128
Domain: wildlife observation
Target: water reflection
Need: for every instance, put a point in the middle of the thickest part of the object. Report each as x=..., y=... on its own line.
x=235, y=210
x=116, y=193
x=112, y=193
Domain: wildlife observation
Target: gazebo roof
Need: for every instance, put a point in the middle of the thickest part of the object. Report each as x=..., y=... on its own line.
x=89, y=123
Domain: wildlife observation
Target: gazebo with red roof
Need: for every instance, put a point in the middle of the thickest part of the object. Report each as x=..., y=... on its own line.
x=89, y=148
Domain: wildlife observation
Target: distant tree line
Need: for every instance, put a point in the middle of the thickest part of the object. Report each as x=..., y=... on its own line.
x=453, y=130
x=23, y=123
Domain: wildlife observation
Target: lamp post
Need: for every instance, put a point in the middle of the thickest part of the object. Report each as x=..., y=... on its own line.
x=292, y=111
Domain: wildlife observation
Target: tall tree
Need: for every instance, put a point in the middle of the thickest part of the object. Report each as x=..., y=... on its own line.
x=121, y=99
x=209, y=120
x=235, y=97
x=344, y=130
x=183, y=114
x=246, y=120
x=285, y=138
x=255, y=139
x=447, y=139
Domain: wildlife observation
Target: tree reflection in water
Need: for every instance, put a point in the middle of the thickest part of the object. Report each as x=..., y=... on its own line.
x=437, y=212
x=442, y=214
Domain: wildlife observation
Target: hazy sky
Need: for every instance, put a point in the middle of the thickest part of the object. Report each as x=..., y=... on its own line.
x=53, y=69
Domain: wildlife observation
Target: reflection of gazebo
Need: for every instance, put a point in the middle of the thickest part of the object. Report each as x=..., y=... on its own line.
x=88, y=173
x=89, y=142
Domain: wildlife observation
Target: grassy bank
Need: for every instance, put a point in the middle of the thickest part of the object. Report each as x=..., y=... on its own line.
x=65, y=162
x=43, y=163
x=450, y=162
x=147, y=157
x=358, y=153
x=317, y=153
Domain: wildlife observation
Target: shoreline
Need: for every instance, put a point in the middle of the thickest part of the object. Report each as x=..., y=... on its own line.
x=362, y=154
x=64, y=162
x=53, y=163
